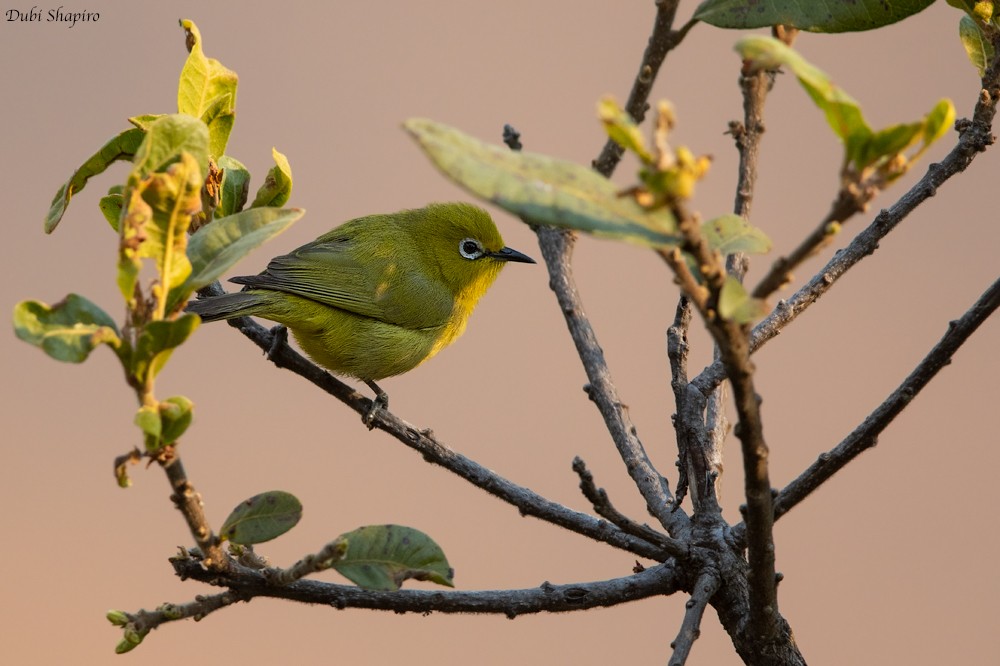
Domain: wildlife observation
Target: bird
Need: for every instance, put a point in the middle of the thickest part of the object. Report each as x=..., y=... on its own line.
x=378, y=295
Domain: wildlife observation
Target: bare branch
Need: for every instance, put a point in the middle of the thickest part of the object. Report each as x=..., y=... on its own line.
x=866, y=435
x=602, y=505
x=662, y=579
x=188, y=502
x=690, y=630
x=556, y=249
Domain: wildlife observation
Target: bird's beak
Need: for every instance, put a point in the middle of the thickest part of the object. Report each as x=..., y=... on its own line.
x=507, y=254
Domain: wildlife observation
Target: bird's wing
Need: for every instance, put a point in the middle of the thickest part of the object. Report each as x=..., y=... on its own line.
x=383, y=286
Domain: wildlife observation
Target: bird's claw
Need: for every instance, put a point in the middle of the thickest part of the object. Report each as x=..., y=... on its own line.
x=380, y=402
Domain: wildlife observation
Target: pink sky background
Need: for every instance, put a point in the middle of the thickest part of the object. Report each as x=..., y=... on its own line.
x=892, y=562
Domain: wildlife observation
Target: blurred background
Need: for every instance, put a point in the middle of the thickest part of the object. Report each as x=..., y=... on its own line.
x=893, y=561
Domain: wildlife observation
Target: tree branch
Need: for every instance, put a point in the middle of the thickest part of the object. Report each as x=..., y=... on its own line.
x=662, y=579
x=662, y=40
x=188, y=502
x=866, y=435
x=690, y=629
x=975, y=136
x=527, y=502
x=602, y=505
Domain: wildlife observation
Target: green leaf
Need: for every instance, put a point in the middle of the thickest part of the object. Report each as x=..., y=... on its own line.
x=886, y=143
x=67, y=331
x=731, y=233
x=735, y=303
x=842, y=111
x=939, y=121
x=218, y=245
x=145, y=120
x=621, y=128
x=176, y=414
x=157, y=341
x=207, y=91
x=120, y=147
x=155, y=226
x=542, y=189
x=977, y=47
x=832, y=16
x=381, y=557
x=149, y=422
x=235, y=186
x=262, y=517
x=111, y=207
x=277, y=187
x=165, y=140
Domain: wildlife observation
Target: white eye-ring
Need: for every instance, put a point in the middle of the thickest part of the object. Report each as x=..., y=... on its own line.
x=470, y=248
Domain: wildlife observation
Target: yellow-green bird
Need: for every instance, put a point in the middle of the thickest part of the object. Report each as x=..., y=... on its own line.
x=378, y=295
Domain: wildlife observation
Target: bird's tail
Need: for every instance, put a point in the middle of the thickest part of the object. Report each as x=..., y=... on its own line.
x=226, y=306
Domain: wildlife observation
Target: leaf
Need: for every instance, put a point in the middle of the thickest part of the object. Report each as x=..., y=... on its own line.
x=148, y=420
x=381, y=557
x=218, y=245
x=977, y=47
x=842, y=111
x=121, y=147
x=939, y=121
x=207, y=91
x=157, y=341
x=67, y=331
x=145, y=120
x=831, y=16
x=165, y=140
x=111, y=207
x=542, y=189
x=262, y=517
x=155, y=226
x=176, y=414
x=735, y=303
x=731, y=233
x=621, y=128
x=887, y=143
x=277, y=187
x=235, y=186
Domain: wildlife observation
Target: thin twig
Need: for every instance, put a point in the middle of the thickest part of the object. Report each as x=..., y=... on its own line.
x=144, y=621
x=662, y=579
x=555, y=246
x=690, y=629
x=599, y=499
x=662, y=40
x=188, y=502
x=866, y=434
x=845, y=206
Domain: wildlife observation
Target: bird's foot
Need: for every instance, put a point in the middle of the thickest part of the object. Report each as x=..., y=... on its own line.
x=381, y=402
x=279, y=339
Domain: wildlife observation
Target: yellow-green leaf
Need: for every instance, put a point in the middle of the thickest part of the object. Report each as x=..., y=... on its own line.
x=542, y=189
x=731, y=233
x=121, y=147
x=621, y=128
x=235, y=186
x=67, y=331
x=737, y=305
x=277, y=187
x=207, y=91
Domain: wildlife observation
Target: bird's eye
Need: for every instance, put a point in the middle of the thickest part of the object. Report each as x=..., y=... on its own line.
x=470, y=248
